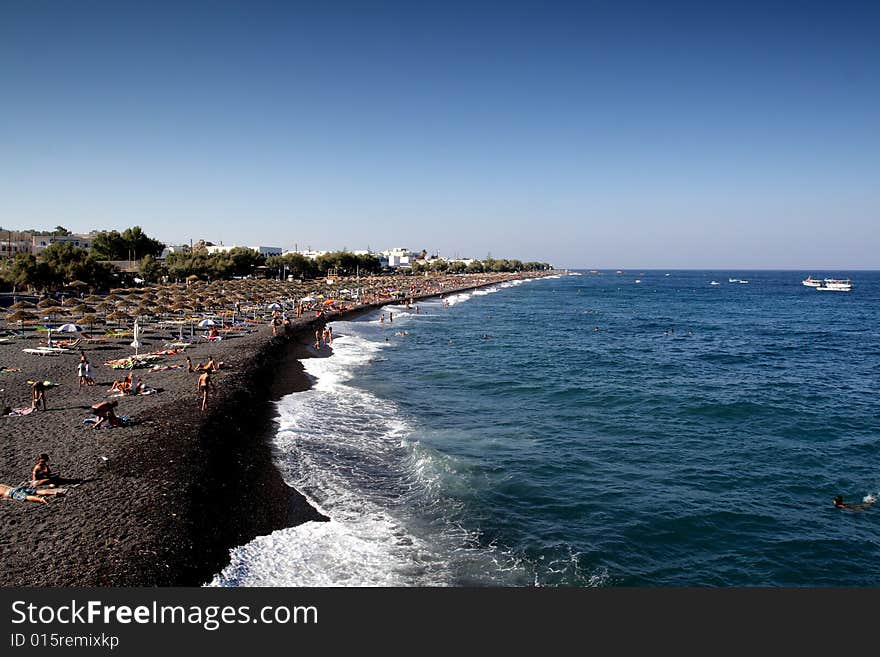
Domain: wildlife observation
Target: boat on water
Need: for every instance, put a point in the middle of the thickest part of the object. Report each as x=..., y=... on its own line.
x=743, y=281
x=638, y=280
x=714, y=283
x=836, y=285
x=733, y=280
x=809, y=281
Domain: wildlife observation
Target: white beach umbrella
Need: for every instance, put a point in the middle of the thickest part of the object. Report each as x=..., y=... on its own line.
x=274, y=306
x=207, y=322
x=136, y=343
x=69, y=328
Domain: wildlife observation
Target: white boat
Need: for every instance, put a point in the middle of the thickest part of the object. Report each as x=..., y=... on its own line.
x=743, y=281
x=836, y=285
x=714, y=283
x=809, y=281
x=733, y=280
x=638, y=280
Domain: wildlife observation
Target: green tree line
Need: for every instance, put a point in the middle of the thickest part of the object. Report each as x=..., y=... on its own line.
x=59, y=265
x=489, y=265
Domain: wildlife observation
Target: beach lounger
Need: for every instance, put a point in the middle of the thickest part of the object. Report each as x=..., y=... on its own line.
x=46, y=351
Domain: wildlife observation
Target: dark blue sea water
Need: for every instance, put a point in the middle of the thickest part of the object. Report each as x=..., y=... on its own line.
x=591, y=431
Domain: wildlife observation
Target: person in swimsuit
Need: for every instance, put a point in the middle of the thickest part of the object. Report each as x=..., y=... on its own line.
x=104, y=411
x=27, y=493
x=123, y=386
x=42, y=474
x=205, y=386
x=38, y=390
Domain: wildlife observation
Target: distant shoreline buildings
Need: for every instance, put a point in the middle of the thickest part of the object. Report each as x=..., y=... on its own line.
x=13, y=243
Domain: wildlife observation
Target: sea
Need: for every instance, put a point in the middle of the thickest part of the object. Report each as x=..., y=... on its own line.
x=605, y=429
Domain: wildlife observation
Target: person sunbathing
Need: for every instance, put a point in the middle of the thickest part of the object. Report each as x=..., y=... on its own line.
x=210, y=366
x=123, y=386
x=28, y=493
x=42, y=474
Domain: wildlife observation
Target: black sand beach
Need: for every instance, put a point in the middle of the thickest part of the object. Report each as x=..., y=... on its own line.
x=164, y=499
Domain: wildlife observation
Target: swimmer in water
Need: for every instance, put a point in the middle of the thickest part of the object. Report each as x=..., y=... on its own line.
x=840, y=504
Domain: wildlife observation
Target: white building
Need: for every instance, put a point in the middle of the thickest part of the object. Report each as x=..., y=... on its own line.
x=42, y=242
x=311, y=255
x=398, y=257
x=174, y=248
x=262, y=250
x=13, y=242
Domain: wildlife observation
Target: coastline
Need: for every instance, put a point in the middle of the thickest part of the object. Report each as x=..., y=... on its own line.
x=180, y=489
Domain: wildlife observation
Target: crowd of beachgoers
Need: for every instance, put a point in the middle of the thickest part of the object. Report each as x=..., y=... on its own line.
x=98, y=390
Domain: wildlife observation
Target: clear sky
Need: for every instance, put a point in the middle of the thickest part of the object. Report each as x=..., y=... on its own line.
x=589, y=134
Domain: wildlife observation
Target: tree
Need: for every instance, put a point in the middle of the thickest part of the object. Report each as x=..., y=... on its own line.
x=58, y=265
x=131, y=244
x=244, y=261
x=61, y=230
x=151, y=270
x=141, y=244
x=109, y=246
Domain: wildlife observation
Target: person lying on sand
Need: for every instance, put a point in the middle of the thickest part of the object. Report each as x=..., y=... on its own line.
x=840, y=504
x=122, y=386
x=210, y=366
x=28, y=493
x=104, y=411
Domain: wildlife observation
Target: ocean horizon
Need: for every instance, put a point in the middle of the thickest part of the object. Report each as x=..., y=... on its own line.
x=642, y=429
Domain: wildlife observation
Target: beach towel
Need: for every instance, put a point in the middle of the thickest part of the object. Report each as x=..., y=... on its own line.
x=46, y=384
x=163, y=368
x=124, y=421
x=18, y=412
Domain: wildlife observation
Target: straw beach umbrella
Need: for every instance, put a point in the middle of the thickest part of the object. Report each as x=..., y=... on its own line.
x=20, y=316
x=118, y=317
x=89, y=320
x=81, y=309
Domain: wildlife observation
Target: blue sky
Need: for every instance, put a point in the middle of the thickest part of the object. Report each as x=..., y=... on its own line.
x=586, y=134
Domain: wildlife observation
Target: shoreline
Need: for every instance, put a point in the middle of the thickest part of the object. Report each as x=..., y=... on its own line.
x=181, y=489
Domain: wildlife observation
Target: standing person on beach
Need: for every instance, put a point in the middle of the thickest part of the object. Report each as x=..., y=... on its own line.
x=81, y=370
x=38, y=392
x=317, y=339
x=205, y=385
x=90, y=372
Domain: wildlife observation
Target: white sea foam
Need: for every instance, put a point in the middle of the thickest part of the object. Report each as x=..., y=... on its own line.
x=354, y=456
